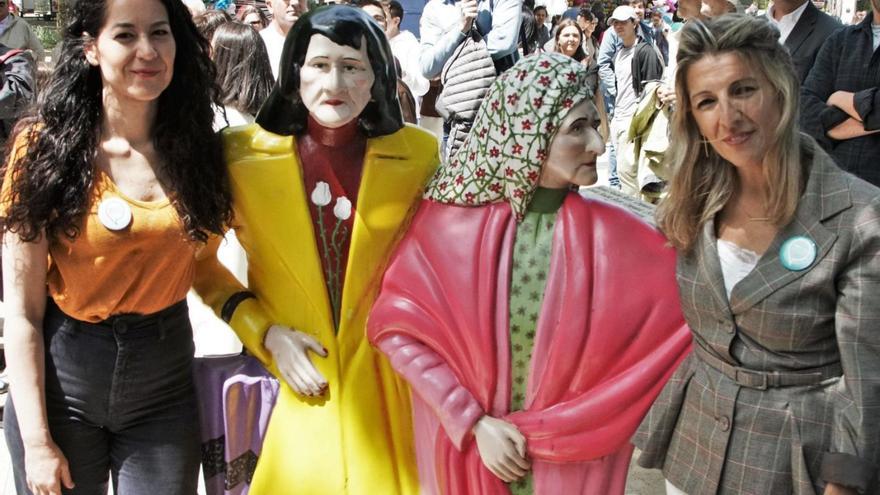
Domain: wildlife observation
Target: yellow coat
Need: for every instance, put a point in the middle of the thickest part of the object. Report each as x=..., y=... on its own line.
x=357, y=439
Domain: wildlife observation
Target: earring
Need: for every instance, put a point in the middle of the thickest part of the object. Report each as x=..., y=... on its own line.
x=705, y=146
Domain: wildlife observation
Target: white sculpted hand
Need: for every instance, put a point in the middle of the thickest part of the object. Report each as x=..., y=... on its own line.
x=290, y=348
x=502, y=448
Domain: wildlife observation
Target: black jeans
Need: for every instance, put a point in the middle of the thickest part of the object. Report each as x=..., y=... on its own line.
x=120, y=401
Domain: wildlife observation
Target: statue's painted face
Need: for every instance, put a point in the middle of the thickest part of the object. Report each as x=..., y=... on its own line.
x=574, y=149
x=335, y=81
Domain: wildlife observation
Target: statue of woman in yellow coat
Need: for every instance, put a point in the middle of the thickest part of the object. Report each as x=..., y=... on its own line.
x=323, y=184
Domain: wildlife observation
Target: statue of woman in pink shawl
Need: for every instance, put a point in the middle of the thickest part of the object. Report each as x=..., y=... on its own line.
x=535, y=327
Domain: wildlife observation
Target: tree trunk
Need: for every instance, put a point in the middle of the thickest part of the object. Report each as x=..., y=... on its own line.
x=61, y=17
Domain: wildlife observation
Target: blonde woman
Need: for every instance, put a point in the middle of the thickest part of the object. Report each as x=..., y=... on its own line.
x=778, y=274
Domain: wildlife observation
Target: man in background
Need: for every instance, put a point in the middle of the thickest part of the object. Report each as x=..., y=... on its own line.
x=802, y=29
x=284, y=14
x=635, y=63
x=608, y=49
x=840, y=99
x=405, y=47
x=541, y=20
x=17, y=34
x=444, y=25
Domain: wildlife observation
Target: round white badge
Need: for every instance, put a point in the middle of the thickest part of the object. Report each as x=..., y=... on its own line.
x=114, y=213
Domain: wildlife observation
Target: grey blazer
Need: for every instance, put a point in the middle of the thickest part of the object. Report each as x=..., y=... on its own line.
x=711, y=433
x=808, y=35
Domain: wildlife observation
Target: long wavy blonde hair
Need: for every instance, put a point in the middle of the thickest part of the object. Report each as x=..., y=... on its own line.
x=702, y=181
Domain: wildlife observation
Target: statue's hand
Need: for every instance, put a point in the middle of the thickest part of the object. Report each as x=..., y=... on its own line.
x=290, y=349
x=502, y=448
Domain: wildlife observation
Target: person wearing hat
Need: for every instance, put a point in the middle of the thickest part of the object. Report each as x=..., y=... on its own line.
x=608, y=49
x=635, y=63
x=611, y=43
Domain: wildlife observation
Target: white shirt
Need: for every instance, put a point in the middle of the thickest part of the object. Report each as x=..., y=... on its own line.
x=405, y=48
x=788, y=21
x=626, y=100
x=876, y=30
x=274, y=41
x=736, y=263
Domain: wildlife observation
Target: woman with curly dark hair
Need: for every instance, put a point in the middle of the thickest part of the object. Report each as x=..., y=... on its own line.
x=112, y=186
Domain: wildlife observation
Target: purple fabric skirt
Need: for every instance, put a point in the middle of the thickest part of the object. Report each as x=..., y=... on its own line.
x=236, y=396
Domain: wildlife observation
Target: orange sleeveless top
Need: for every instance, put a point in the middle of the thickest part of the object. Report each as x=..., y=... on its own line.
x=142, y=268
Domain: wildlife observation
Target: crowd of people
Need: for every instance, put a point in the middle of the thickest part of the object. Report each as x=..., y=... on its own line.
x=391, y=227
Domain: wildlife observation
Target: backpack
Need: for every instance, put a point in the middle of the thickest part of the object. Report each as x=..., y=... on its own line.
x=17, y=73
x=466, y=78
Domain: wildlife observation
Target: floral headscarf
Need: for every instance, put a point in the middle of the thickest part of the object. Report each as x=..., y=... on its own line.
x=502, y=156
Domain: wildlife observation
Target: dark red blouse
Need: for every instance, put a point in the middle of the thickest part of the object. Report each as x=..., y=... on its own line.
x=332, y=163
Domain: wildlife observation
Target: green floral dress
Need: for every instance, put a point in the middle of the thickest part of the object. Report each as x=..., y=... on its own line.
x=531, y=262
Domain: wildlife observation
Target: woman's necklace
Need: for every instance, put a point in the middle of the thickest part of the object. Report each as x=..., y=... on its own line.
x=753, y=218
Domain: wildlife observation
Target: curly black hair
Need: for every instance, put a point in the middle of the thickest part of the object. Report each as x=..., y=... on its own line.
x=52, y=178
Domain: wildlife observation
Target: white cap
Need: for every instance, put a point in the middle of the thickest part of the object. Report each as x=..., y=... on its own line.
x=624, y=13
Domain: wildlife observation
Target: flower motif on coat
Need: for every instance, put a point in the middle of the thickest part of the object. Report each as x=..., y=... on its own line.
x=342, y=210
x=332, y=245
x=321, y=194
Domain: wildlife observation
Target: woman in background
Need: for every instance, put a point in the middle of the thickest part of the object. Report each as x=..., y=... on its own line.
x=569, y=41
x=243, y=73
x=208, y=21
x=253, y=17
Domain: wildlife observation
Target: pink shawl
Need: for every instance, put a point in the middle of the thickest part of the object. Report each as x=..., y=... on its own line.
x=609, y=335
